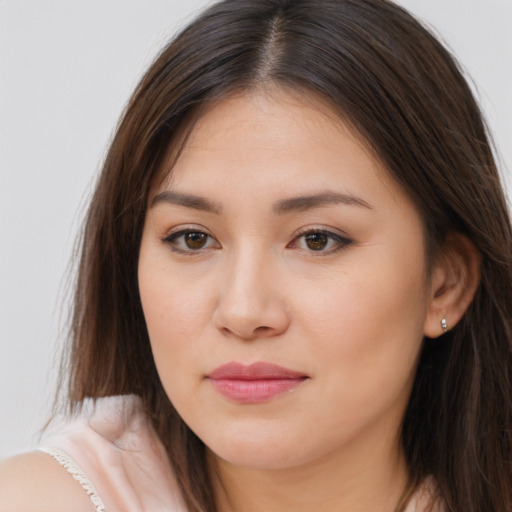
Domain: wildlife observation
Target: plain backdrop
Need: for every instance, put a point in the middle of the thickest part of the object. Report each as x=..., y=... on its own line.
x=66, y=71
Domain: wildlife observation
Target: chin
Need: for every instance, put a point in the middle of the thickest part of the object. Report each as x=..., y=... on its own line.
x=259, y=451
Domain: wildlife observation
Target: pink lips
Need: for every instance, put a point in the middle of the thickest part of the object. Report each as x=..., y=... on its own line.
x=255, y=383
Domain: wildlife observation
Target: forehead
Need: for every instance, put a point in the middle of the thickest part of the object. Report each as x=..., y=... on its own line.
x=261, y=129
x=281, y=112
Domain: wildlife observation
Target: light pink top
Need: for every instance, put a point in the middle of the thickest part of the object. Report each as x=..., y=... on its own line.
x=114, y=453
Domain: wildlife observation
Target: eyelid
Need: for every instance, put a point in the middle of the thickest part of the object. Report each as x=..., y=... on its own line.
x=186, y=227
x=321, y=229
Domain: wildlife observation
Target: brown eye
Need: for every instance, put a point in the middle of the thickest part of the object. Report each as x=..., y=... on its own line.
x=316, y=241
x=189, y=241
x=195, y=240
x=320, y=241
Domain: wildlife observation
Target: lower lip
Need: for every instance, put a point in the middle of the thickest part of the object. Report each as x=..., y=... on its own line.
x=254, y=391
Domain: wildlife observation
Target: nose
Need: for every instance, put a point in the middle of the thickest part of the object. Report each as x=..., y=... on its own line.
x=251, y=302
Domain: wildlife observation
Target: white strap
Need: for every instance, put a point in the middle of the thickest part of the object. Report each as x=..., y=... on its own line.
x=76, y=471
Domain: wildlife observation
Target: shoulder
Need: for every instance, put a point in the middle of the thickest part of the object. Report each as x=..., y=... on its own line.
x=36, y=482
x=112, y=450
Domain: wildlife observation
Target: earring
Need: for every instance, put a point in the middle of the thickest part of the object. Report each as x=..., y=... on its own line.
x=444, y=324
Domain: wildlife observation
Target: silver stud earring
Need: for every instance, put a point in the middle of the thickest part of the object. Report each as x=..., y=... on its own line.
x=444, y=324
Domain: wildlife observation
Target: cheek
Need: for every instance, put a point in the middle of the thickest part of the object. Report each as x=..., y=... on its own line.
x=172, y=315
x=176, y=311
x=173, y=322
x=367, y=320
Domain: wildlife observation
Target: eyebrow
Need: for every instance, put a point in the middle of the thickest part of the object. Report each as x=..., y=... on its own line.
x=188, y=201
x=293, y=204
x=303, y=203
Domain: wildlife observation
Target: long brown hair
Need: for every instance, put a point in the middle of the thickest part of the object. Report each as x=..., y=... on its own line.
x=404, y=93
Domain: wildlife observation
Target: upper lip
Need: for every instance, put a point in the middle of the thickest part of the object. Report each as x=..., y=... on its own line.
x=255, y=371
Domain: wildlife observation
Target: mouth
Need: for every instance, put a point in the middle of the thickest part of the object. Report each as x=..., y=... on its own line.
x=255, y=383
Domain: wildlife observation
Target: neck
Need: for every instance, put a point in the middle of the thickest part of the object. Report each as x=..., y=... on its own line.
x=370, y=477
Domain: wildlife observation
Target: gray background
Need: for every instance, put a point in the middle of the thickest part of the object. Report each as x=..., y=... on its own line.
x=66, y=71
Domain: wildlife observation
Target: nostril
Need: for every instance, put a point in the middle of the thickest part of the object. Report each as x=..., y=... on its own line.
x=262, y=329
x=250, y=334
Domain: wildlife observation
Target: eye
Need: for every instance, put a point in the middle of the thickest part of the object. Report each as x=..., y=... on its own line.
x=190, y=241
x=316, y=241
x=319, y=240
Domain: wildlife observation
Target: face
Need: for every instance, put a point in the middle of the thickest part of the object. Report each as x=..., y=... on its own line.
x=283, y=280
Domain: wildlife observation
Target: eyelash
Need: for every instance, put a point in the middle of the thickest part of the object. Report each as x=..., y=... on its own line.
x=172, y=241
x=340, y=242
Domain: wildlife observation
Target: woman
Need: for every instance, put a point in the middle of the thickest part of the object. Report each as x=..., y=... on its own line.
x=294, y=286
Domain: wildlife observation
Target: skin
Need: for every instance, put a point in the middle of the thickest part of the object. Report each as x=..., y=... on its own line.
x=351, y=316
x=35, y=482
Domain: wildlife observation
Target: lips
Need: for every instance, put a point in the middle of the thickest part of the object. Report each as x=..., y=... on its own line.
x=255, y=383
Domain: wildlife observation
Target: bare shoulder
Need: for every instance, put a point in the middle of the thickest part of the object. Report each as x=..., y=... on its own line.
x=35, y=482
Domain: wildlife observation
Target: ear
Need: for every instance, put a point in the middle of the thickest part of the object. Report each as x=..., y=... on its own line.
x=454, y=281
